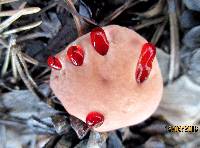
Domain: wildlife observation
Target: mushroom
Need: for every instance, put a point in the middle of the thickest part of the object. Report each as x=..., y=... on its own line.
x=109, y=78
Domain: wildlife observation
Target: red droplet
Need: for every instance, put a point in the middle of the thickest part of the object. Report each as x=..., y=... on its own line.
x=144, y=64
x=94, y=119
x=75, y=54
x=54, y=62
x=99, y=40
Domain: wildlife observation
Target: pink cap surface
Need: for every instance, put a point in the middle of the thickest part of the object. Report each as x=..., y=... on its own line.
x=107, y=84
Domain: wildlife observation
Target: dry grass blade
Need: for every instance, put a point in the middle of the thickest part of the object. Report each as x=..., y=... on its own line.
x=118, y=11
x=88, y=20
x=174, y=41
x=23, y=4
x=30, y=59
x=4, y=86
x=24, y=73
x=158, y=33
x=155, y=10
x=10, y=20
x=20, y=71
x=26, y=11
x=14, y=17
x=19, y=54
x=7, y=1
x=43, y=73
x=7, y=58
x=148, y=22
x=26, y=27
x=48, y=7
x=27, y=79
x=31, y=36
x=14, y=67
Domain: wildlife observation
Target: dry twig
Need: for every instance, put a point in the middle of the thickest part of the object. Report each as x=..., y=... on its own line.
x=7, y=58
x=30, y=59
x=25, y=11
x=70, y=7
x=77, y=20
x=6, y=1
x=118, y=11
x=148, y=22
x=174, y=40
x=14, y=17
x=31, y=36
x=26, y=27
x=159, y=31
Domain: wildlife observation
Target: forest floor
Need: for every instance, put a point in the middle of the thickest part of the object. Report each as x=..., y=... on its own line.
x=31, y=30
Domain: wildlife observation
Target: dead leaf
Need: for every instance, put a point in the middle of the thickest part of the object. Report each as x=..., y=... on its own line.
x=189, y=19
x=180, y=104
x=191, y=38
x=194, y=68
x=23, y=104
x=192, y=4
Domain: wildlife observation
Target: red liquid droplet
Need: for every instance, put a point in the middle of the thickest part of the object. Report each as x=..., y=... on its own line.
x=99, y=40
x=144, y=64
x=94, y=119
x=75, y=55
x=54, y=63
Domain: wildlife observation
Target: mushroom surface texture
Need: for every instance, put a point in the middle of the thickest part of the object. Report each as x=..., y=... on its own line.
x=106, y=83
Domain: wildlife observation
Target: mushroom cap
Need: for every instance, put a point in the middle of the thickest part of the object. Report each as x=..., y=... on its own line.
x=107, y=84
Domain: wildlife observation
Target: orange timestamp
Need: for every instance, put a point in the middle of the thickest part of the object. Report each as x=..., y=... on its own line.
x=182, y=128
